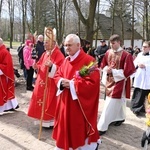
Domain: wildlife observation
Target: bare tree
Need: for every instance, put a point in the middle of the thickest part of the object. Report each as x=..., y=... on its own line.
x=146, y=4
x=113, y=16
x=11, y=5
x=1, y=4
x=89, y=21
x=79, y=22
x=60, y=14
x=41, y=14
x=97, y=22
x=31, y=18
x=132, y=34
x=24, y=17
x=69, y=16
x=121, y=10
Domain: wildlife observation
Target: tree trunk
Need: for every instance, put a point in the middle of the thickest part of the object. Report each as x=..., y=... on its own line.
x=132, y=34
x=1, y=4
x=60, y=12
x=56, y=18
x=37, y=16
x=146, y=19
x=113, y=18
x=122, y=29
x=32, y=16
x=96, y=34
x=60, y=22
x=11, y=33
x=24, y=8
x=89, y=22
x=143, y=28
x=11, y=6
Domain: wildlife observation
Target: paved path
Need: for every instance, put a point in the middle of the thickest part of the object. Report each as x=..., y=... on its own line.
x=17, y=131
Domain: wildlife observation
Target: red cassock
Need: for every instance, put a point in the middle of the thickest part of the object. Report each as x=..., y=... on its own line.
x=76, y=120
x=122, y=60
x=35, y=107
x=7, y=79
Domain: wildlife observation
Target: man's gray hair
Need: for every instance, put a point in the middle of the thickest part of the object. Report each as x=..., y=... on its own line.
x=74, y=37
x=40, y=36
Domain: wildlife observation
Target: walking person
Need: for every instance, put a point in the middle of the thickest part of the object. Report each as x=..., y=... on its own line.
x=117, y=66
x=39, y=47
x=86, y=46
x=37, y=53
x=8, y=101
x=21, y=60
x=44, y=94
x=100, y=51
x=141, y=82
x=78, y=94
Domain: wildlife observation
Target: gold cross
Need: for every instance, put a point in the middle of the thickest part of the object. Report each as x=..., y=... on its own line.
x=40, y=102
x=42, y=83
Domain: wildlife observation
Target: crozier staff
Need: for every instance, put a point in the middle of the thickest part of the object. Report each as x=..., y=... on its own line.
x=43, y=100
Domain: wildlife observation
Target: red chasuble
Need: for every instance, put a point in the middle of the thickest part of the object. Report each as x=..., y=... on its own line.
x=35, y=107
x=119, y=60
x=7, y=79
x=76, y=120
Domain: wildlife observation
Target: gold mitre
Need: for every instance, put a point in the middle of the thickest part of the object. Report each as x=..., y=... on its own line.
x=49, y=34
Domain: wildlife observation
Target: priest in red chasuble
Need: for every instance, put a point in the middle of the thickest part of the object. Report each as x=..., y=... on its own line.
x=117, y=66
x=43, y=100
x=78, y=82
x=7, y=81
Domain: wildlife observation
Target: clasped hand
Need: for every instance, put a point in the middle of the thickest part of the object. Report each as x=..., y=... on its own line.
x=141, y=66
x=65, y=83
x=109, y=70
x=48, y=63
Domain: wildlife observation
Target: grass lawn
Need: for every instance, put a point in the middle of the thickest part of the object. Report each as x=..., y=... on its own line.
x=14, y=44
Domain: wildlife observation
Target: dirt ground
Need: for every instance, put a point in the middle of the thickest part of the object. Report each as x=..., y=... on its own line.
x=17, y=131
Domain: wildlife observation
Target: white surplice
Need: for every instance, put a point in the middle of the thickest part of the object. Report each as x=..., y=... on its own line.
x=114, y=109
x=142, y=75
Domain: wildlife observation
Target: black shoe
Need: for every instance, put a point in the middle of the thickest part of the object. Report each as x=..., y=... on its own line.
x=101, y=132
x=17, y=107
x=143, y=110
x=137, y=113
x=118, y=123
x=47, y=128
x=12, y=109
x=97, y=146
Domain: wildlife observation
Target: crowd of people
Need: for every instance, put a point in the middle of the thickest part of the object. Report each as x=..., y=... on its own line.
x=65, y=95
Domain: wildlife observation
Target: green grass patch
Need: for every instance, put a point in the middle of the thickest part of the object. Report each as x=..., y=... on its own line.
x=14, y=44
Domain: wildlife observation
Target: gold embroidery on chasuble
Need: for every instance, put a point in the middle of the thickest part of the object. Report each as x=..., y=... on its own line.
x=114, y=59
x=42, y=83
x=40, y=102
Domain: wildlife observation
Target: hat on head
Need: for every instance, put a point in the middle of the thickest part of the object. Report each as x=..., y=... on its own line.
x=49, y=34
x=102, y=40
x=28, y=42
x=87, y=42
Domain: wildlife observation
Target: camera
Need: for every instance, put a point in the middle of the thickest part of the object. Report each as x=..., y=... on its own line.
x=34, y=54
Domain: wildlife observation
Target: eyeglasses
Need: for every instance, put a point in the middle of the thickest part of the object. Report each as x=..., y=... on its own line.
x=68, y=45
